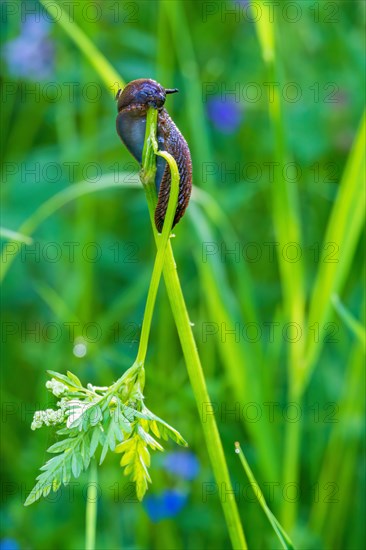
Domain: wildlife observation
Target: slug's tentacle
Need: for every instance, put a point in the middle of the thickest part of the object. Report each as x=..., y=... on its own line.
x=133, y=103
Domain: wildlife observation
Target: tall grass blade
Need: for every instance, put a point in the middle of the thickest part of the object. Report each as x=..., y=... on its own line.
x=286, y=221
x=9, y=235
x=283, y=537
x=58, y=201
x=344, y=228
x=353, y=324
x=102, y=66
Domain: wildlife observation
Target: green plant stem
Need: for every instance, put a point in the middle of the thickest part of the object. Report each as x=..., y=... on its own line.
x=198, y=383
x=147, y=176
x=197, y=379
x=91, y=507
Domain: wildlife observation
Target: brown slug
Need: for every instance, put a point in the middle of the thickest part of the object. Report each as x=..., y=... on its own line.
x=133, y=103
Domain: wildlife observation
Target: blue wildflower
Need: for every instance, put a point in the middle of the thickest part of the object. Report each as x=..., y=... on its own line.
x=165, y=505
x=182, y=463
x=31, y=54
x=225, y=114
x=9, y=544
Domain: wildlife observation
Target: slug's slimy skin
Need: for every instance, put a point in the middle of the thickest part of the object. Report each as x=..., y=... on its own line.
x=133, y=103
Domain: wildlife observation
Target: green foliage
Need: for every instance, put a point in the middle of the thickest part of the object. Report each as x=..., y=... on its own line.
x=136, y=457
x=110, y=418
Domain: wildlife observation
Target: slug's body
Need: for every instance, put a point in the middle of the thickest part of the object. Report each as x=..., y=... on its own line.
x=133, y=103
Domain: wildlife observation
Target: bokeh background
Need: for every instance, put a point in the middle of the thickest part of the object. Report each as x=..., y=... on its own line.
x=271, y=263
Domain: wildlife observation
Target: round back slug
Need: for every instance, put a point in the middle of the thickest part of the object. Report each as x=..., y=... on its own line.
x=132, y=104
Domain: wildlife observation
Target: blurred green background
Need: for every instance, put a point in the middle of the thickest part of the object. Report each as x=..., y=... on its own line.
x=270, y=256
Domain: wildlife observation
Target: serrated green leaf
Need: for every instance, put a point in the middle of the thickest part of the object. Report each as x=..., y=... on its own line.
x=129, y=413
x=105, y=402
x=60, y=446
x=117, y=432
x=126, y=459
x=169, y=432
x=64, y=379
x=92, y=415
x=144, y=456
x=166, y=431
x=77, y=423
x=66, y=470
x=56, y=484
x=144, y=424
x=148, y=439
x=58, y=376
x=154, y=428
x=32, y=497
x=124, y=424
x=141, y=487
x=85, y=451
x=123, y=418
x=94, y=441
x=57, y=470
x=109, y=440
x=104, y=451
x=95, y=416
x=136, y=460
x=52, y=462
x=71, y=432
x=76, y=464
x=74, y=379
x=47, y=490
x=124, y=446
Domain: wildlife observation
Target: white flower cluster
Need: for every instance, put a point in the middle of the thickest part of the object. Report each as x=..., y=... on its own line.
x=49, y=417
x=57, y=388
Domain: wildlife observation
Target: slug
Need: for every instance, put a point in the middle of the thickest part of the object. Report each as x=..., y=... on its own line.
x=133, y=103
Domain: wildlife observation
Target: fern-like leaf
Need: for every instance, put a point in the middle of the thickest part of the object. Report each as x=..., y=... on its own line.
x=56, y=471
x=136, y=459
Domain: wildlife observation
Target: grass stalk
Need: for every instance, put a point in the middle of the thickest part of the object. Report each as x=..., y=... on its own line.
x=91, y=507
x=282, y=536
x=286, y=220
x=196, y=376
x=148, y=179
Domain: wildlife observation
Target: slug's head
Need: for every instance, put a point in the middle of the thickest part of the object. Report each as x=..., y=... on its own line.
x=143, y=92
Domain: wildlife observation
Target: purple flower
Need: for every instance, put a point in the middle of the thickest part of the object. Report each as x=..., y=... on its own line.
x=182, y=463
x=30, y=55
x=165, y=505
x=225, y=114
